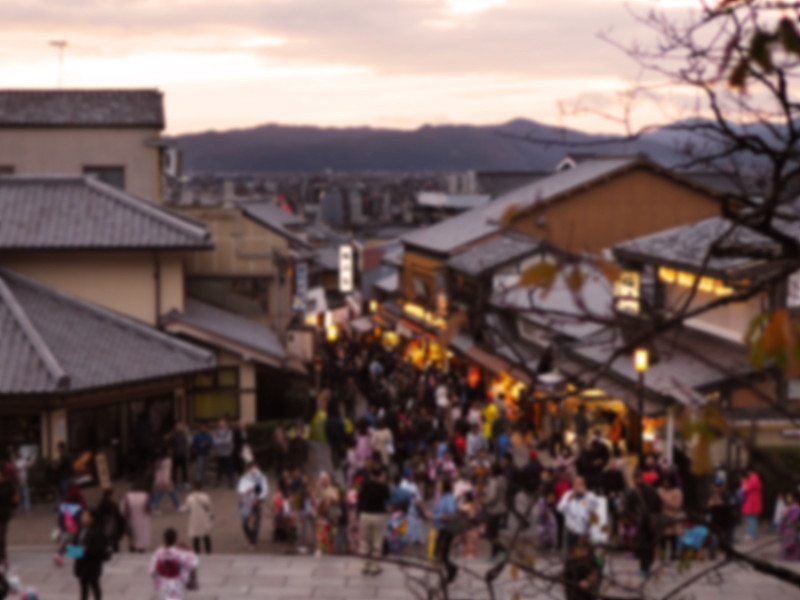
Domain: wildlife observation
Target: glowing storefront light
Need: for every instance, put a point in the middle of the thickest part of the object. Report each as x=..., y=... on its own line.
x=708, y=285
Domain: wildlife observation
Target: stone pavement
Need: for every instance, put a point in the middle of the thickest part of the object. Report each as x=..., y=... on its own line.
x=242, y=577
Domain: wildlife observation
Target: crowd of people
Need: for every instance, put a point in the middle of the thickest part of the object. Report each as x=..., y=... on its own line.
x=434, y=466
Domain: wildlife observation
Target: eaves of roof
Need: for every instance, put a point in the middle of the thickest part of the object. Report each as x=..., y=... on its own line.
x=618, y=168
x=281, y=231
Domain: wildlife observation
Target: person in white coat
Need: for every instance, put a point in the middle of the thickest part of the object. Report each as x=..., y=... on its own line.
x=577, y=506
x=253, y=489
x=201, y=518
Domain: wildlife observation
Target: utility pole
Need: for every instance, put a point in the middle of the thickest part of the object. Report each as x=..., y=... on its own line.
x=60, y=45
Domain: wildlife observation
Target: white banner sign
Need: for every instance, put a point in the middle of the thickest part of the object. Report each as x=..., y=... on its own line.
x=345, y=269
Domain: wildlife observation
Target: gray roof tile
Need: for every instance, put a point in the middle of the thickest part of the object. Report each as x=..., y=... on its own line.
x=54, y=343
x=493, y=253
x=78, y=213
x=275, y=218
x=230, y=326
x=688, y=246
x=82, y=108
x=451, y=234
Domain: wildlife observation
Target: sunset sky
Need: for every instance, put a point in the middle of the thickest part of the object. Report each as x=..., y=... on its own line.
x=390, y=63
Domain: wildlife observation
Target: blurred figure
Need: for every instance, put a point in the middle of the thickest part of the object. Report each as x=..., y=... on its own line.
x=201, y=518
x=22, y=464
x=253, y=489
x=202, y=442
x=7, y=506
x=136, y=507
x=223, y=449
x=93, y=544
x=752, y=504
x=172, y=568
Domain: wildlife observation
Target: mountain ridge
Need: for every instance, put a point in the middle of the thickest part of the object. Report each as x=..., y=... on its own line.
x=273, y=147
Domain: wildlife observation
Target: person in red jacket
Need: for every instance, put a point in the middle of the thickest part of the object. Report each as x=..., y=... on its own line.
x=752, y=504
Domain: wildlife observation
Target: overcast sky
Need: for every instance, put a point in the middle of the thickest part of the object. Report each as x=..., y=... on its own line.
x=393, y=63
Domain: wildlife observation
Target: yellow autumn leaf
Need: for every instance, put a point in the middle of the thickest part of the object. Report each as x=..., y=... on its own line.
x=510, y=214
x=701, y=457
x=539, y=275
x=514, y=571
x=575, y=279
x=609, y=270
x=774, y=336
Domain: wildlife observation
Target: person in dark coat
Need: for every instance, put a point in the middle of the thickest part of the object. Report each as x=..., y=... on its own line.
x=582, y=572
x=110, y=519
x=7, y=506
x=89, y=567
x=336, y=434
x=643, y=507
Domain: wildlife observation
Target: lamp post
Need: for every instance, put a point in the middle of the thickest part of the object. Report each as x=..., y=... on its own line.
x=641, y=361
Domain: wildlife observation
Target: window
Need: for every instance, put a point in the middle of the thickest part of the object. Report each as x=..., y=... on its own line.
x=248, y=296
x=113, y=176
x=215, y=395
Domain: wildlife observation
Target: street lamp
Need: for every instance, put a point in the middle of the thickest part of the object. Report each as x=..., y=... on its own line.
x=641, y=361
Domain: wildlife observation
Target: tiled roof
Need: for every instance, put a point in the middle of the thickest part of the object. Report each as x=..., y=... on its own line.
x=451, y=234
x=80, y=213
x=274, y=218
x=560, y=309
x=545, y=189
x=678, y=371
x=54, y=343
x=688, y=246
x=82, y=108
x=448, y=236
x=493, y=253
x=230, y=326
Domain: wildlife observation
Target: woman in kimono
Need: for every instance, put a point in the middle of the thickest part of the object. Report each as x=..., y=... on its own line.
x=173, y=569
x=790, y=521
x=327, y=512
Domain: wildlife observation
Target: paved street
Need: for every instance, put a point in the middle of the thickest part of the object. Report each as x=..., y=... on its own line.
x=227, y=577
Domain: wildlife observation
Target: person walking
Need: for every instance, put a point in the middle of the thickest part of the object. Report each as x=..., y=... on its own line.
x=494, y=502
x=7, y=506
x=382, y=442
x=328, y=512
x=163, y=484
x=253, y=489
x=110, y=519
x=789, y=528
x=223, y=449
x=92, y=550
x=136, y=508
x=577, y=505
x=239, y=445
x=202, y=442
x=644, y=507
x=752, y=503
x=172, y=568
x=22, y=464
x=446, y=519
x=672, y=504
x=179, y=443
x=201, y=518
x=373, y=499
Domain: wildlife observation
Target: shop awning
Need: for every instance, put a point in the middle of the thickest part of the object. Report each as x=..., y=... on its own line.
x=362, y=324
x=613, y=388
x=489, y=361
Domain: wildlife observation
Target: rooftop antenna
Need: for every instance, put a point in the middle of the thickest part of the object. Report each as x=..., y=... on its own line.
x=60, y=45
